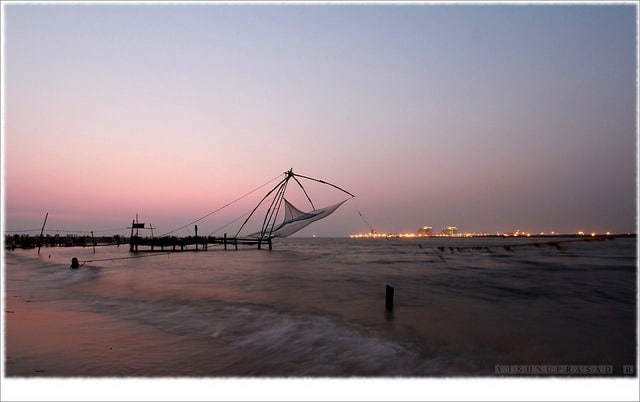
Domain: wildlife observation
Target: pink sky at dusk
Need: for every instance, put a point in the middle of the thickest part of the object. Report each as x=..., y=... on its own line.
x=490, y=118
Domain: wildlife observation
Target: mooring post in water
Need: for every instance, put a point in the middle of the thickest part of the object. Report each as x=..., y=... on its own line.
x=93, y=241
x=196, y=237
x=389, y=298
x=224, y=241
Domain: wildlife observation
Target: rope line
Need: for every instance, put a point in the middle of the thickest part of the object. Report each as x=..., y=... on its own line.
x=365, y=220
x=230, y=223
x=126, y=258
x=221, y=208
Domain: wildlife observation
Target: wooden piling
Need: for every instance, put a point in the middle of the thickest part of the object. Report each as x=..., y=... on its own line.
x=389, y=298
x=201, y=243
x=133, y=223
x=42, y=233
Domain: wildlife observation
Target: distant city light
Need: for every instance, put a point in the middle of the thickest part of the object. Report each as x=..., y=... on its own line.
x=452, y=231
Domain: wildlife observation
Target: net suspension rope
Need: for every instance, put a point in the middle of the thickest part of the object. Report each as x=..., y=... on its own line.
x=222, y=207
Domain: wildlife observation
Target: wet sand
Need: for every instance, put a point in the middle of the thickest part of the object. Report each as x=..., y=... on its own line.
x=50, y=340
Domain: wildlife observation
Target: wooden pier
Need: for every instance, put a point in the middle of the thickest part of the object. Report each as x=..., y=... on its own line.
x=138, y=243
x=192, y=243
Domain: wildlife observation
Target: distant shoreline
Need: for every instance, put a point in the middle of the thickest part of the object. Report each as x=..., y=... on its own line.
x=537, y=236
x=72, y=240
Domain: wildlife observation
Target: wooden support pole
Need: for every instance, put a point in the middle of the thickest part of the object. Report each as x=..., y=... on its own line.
x=270, y=246
x=93, y=241
x=196, y=237
x=133, y=223
x=389, y=298
x=224, y=241
x=41, y=232
x=235, y=242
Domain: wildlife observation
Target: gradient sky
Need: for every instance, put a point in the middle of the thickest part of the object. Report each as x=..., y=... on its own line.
x=486, y=117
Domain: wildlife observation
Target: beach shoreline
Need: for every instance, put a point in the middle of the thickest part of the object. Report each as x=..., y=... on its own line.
x=50, y=337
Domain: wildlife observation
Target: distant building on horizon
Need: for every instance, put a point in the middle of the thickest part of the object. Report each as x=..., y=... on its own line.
x=425, y=231
x=449, y=231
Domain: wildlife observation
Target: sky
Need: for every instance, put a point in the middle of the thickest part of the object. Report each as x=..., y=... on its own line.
x=491, y=117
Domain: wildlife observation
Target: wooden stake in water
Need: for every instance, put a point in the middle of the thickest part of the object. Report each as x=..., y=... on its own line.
x=389, y=298
x=93, y=241
x=42, y=231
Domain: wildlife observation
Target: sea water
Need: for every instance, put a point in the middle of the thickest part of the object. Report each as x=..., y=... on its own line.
x=315, y=307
